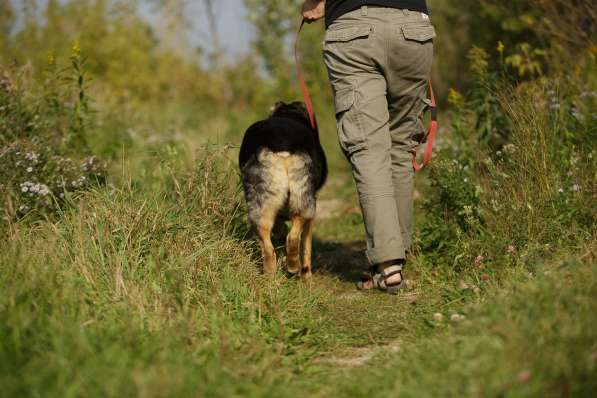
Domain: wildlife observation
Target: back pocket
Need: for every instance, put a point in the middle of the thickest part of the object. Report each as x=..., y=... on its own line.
x=347, y=34
x=420, y=32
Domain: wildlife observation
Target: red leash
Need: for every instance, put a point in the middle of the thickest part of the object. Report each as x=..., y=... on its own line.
x=301, y=78
x=431, y=133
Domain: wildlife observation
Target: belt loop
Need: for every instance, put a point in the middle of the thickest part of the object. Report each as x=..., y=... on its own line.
x=364, y=11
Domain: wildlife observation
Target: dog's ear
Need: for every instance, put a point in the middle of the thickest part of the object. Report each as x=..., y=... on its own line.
x=276, y=106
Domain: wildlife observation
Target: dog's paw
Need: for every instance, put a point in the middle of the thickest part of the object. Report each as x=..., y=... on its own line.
x=293, y=265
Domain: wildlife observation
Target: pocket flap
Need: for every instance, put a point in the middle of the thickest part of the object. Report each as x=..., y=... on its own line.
x=344, y=99
x=347, y=34
x=418, y=32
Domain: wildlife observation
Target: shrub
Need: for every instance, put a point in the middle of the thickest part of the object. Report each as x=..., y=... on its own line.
x=531, y=190
x=43, y=140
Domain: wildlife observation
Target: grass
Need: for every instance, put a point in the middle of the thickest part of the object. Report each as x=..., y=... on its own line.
x=150, y=286
x=144, y=290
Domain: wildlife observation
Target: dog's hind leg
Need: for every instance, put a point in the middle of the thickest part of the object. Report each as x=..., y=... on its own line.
x=293, y=244
x=307, y=248
x=264, y=230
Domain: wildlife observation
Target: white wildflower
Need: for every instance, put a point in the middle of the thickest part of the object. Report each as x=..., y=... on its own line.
x=29, y=169
x=456, y=317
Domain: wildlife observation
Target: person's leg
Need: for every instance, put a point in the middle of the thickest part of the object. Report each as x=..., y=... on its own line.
x=408, y=71
x=353, y=50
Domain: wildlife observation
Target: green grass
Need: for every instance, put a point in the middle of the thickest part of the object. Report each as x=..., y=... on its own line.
x=153, y=289
x=151, y=285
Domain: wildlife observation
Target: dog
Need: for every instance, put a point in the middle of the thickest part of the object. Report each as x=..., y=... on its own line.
x=283, y=166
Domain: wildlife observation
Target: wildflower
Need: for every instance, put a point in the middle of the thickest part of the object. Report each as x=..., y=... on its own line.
x=43, y=189
x=456, y=317
x=438, y=317
x=524, y=376
x=528, y=19
x=575, y=188
x=500, y=47
x=465, y=180
x=510, y=249
x=76, y=49
x=462, y=285
x=29, y=169
x=24, y=188
x=588, y=94
x=561, y=190
x=32, y=157
x=577, y=114
x=455, y=98
x=509, y=149
x=479, y=259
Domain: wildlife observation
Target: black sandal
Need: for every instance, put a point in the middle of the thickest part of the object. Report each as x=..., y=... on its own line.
x=380, y=280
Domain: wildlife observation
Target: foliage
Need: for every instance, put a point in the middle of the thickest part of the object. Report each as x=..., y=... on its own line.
x=533, y=192
x=43, y=141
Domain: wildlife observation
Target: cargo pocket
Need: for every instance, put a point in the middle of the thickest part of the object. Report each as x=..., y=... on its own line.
x=419, y=32
x=350, y=132
x=419, y=135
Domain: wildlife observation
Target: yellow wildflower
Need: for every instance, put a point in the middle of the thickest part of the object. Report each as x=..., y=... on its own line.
x=528, y=20
x=455, y=98
x=500, y=47
x=76, y=49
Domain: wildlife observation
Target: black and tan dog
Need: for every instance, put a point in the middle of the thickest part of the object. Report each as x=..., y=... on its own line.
x=283, y=166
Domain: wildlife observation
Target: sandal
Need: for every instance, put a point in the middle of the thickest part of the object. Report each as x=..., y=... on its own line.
x=379, y=280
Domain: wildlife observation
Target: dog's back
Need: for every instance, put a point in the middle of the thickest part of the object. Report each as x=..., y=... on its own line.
x=282, y=166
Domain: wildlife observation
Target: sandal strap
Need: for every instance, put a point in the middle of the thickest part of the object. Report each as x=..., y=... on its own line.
x=389, y=272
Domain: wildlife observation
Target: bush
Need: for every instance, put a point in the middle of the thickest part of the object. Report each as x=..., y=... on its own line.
x=518, y=173
x=44, y=156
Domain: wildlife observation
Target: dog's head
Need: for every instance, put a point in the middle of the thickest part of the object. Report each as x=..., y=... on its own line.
x=294, y=110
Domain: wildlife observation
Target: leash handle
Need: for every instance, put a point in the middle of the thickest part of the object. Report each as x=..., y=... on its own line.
x=301, y=78
x=431, y=133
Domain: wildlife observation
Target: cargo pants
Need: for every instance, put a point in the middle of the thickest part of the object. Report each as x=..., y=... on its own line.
x=379, y=63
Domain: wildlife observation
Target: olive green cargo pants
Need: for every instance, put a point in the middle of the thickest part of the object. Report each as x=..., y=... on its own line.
x=379, y=62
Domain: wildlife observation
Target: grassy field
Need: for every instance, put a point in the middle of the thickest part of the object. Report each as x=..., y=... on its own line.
x=127, y=267
x=150, y=286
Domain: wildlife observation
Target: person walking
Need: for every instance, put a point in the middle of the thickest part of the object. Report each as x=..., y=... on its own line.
x=378, y=54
